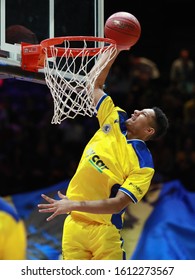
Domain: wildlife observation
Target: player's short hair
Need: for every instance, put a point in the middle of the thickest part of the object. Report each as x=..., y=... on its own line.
x=161, y=123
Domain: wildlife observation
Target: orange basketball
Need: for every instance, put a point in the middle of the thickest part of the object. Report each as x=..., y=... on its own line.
x=124, y=28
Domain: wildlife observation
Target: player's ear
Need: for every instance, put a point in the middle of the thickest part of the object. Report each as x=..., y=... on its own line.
x=150, y=131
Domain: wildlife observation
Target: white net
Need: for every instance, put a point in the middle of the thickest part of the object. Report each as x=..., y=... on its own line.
x=68, y=76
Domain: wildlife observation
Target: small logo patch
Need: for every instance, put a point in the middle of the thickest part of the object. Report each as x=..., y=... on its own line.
x=106, y=128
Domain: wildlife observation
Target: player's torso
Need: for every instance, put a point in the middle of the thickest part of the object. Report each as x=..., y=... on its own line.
x=106, y=162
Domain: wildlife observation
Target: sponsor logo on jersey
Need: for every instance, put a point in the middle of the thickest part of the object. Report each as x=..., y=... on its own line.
x=136, y=187
x=96, y=161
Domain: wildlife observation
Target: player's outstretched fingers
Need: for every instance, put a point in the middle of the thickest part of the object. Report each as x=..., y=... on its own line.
x=61, y=195
x=46, y=209
x=47, y=198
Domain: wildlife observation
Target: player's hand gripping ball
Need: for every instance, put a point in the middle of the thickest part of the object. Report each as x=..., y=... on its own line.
x=124, y=28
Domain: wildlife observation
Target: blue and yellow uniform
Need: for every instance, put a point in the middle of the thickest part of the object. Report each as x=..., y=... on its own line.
x=12, y=233
x=110, y=162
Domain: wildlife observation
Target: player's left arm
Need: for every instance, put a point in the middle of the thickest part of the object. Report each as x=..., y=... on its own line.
x=64, y=205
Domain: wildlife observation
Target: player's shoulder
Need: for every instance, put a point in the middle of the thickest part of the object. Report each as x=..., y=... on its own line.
x=143, y=153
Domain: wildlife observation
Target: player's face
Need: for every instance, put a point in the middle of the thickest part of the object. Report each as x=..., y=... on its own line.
x=139, y=126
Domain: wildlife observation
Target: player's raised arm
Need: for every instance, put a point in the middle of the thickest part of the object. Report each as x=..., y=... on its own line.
x=105, y=68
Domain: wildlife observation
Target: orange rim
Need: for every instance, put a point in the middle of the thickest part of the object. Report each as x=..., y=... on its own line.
x=47, y=43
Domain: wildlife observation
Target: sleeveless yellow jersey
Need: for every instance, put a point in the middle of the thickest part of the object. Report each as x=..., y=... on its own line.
x=110, y=162
x=12, y=234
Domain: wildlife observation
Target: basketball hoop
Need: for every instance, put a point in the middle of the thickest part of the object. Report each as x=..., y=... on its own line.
x=67, y=62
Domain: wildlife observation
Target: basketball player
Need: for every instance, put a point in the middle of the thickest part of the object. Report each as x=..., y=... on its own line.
x=115, y=170
x=12, y=233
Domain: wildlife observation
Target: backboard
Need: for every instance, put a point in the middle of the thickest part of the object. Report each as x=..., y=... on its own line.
x=46, y=19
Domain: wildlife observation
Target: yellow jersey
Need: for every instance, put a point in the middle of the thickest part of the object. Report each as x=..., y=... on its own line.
x=12, y=233
x=110, y=162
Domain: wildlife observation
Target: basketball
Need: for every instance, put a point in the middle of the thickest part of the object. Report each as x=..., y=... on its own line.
x=124, y=28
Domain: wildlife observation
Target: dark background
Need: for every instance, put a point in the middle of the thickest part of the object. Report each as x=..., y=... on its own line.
x=167, y=26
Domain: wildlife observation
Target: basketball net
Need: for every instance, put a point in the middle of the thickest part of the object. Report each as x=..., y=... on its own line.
x=70, y=74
